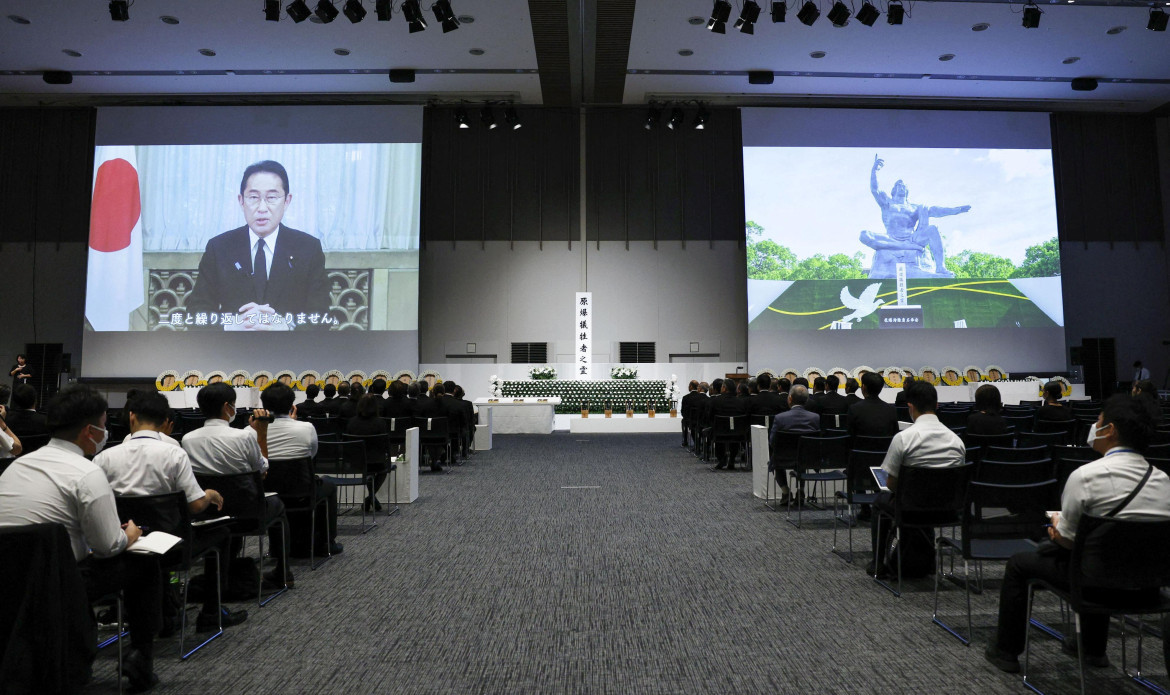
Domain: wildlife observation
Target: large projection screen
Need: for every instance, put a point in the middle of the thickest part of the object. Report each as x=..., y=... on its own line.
x=901, y=238
x=254, y=238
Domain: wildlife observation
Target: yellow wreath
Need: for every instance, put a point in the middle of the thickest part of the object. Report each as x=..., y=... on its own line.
x=175, y=385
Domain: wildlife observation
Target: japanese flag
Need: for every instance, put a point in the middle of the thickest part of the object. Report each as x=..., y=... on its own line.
x=114, y=285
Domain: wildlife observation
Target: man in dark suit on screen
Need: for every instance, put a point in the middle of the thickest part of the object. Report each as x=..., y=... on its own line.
x=264, y=271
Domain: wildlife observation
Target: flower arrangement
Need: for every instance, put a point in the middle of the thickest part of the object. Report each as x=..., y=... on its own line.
x=951, y=376
x=623, y=373
x=770, y=372
x=240, y=379
x=1065, y=385
x=216, y=377
x=972, y=374
x=193, y=378
x=929, y=375
x=543, y=373
x=893, y=377
x=382, y=374
x=262, y=379
x=995, y=373
x=333, y=376
x=306, y=379
x=404, y=373
x=168, y=381
x=357, y=376
x=672, y=391
x=497, y=386
x=812, y=373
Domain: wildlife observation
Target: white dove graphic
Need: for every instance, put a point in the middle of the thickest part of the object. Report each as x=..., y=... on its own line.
x=863, y=306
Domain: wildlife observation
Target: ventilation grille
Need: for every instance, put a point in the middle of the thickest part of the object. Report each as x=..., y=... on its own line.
x=528, y=353
x=636, y=352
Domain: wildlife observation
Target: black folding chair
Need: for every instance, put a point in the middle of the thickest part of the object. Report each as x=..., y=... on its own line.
x=1009, y=453
x=865, y=443
x=859, y=489
x=819, y=459
x=344, y=464
x=1049, y=439
x=990, y=470
x=983, y=441
x=782, y=448
x=1118, y=567
x=953, y=418
x=1019, y=423
x=295, y=480
x=433, y=436
x=380, y=463
x=993, y=536
x=834, y=421
x=731, y=430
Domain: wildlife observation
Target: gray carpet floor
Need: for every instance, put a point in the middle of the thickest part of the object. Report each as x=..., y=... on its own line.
x=604, y=564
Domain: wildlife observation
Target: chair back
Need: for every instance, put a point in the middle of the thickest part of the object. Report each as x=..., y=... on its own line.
x=1019, y=423
x=1032, y=404
x=857, y=468
x=820, y=451
x=1027, y=502
x=834, y=421
x=988, y=440
x=931, y=495
x=117, y=430
x=1063, y=426
x=1119, y=554
x=730, y=427
x=1009, y=453
x=866, y=443
x=243, y=493
x=953, y=418
x=782, y=448
x=1013, y=472
x=191, y=421
x=31, y=442
x=324, y=425
x=377, y=449
x=1156, y=450
x=431, y=430
x=1049, y=439
x=973, y=454
x=291, y=477
x=760, y=420
x=166, y=511
x=1162, y=464
x=345, y=457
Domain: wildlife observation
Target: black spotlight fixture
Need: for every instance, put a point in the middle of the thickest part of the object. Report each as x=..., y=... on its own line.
x=1031, y=16
x=512, y=118
x=461, y=119
x=444, y=15
x=895, y=12
x=354, y=11
x=272, y=10
x=1084, y=84
x=325, y=11
x=119, y=10
x=747, y=17
x=401, y=75
x=676, y=118
x=298, y=11
x=414, y=16
x=720, y=13
x=778, y=10
x=868, y=14
x=383, y=9
x=839, y=14
x=701, y=119
x=1157, y=19
x=808, y=13
x=488, y=118
x=57, y=77
x=652, y=118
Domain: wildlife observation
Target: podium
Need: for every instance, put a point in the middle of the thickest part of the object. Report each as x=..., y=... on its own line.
x=737, y=377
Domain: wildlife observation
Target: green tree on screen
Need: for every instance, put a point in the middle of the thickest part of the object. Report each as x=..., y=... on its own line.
x=976, y=264
x=835, y=267
x=753, y=231
x=1040, y=261
x=768, y=260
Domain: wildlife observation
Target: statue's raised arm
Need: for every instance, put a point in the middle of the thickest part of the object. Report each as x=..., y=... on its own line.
x=881, y=198
x=936, y=211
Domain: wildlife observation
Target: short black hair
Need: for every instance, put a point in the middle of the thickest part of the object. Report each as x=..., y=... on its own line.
x=330, y=390
x=211, y=399
x=343, y=389
x=1133, y=421
x=397, y=390
x=832, y=382
x=151, y=408
x=367, y=407
x=800, y=381
x=356, y=391
x=764, y=381
x=449, y=386
x=22, y=356
x=819, y=383
x=785, y=384
x=6, y=393
x=73, y=409
x=743, y=390
x=717, y=386
x=987, y=398
x=850, y=385
x=693, y=386
x=907, y=381
x=378, y=386
x=312, y=391
x=1053, y=390
x=277, y=399
x=873, y=383
x=923, y=396
x=412, y=389
x=24, y=397
x=266, y=166
x=459, y=392
x=1146, y=386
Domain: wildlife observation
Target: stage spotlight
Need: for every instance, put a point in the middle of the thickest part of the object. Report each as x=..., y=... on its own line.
x=868, y=14
x=354, y=11
x=839, y=14
x=1031, y=16
x=747, y=17
x=401, y=75
x=461, y=119
x=652, y=118
x=445, y=16
x=488, y=118
x=894, y=13
x=676, y=118
x=414, y=16
x=119, y=10
x=298, y=11
x=1157, y=19
x=778, y=10
x=384, y=9
x=701, y=119
x=808, y=13
x=512, y=118
x=272, y=10
x=720, y=13
x=325, y=11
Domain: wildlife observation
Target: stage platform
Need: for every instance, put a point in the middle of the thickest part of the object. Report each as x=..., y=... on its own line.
x=597, y=423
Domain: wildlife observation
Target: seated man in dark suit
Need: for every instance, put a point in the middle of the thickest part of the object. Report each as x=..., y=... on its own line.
x=766, y=402
x=832, y=402
x=728, y=404
x=263, y=269
x=398, y=405
x=818, y=392
x=427, y=407
x=686, y=407
x=451, y=407
x=871, y=416
x=851, y=391
x=348, y=407
x=331, y=406
x=310, y=407
x=22, y=417
x=900, y=399
x=782, y=386
x=797, y=420
x=469, y=418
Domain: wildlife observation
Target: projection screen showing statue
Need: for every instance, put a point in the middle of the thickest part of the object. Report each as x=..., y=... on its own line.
x=853, y=238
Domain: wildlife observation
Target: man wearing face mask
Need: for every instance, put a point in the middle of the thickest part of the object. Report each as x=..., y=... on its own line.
x=1122, y=485
x=56, y=484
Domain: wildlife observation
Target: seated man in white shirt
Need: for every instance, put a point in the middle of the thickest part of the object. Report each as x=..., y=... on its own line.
x=288, y=439
x=164, y=432
x=56, y=484
x=1104, y=487
x=146, y=465
x=9, y=443
x=927, y=443
x=217, y=448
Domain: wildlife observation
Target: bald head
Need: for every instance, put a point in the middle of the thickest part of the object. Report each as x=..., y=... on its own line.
x=798, y=395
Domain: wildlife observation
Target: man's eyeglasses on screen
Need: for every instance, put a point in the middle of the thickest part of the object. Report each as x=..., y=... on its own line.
x=253, y=200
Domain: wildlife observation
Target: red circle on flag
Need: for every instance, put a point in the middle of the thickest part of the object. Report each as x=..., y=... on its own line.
x=116, y=206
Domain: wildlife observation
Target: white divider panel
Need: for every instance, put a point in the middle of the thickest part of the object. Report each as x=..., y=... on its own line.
x=759, y=461
x=483, y=430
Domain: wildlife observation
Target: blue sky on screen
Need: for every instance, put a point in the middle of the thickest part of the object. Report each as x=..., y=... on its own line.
x=817, y=199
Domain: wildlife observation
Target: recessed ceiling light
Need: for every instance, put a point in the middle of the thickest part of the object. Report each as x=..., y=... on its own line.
x=341, y=51
x=476, y=51
x=70, y=52
x=206, y=52
x=1070, y=60
x=817, y=54
x=167, y=19
x=695, y=21
x=686, y=52
x=981, y=26
x=18, y=19
x=1115, y=30
x=946, y=56
x=466, y=19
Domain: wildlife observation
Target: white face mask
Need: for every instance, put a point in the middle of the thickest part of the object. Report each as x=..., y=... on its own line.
x=1093, y=433
x=101, y=445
